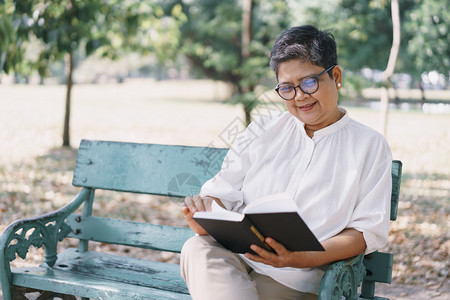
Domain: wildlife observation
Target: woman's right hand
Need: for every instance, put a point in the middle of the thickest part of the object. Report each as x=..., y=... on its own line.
x=192, y=205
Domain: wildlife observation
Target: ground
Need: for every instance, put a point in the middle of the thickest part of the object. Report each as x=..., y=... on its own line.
x=36, y=173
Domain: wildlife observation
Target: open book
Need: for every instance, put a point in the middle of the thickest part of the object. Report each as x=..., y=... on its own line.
x=274, y=216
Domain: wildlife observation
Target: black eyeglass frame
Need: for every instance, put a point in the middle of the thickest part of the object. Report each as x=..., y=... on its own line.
x=316, y=78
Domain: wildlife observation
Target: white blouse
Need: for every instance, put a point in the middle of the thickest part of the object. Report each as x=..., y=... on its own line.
x=340, y=178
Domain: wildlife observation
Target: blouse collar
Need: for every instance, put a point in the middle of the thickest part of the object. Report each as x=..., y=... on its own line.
x=342, y=122
x=335, y=126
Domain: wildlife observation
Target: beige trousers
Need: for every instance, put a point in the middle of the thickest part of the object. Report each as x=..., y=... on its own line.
x=213, y=272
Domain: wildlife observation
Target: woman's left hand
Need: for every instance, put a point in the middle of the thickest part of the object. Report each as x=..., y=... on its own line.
x=282, y=258
x=349, y=242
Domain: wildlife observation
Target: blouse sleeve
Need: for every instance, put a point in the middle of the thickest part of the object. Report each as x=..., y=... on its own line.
x=371, y=215
x=227, y=184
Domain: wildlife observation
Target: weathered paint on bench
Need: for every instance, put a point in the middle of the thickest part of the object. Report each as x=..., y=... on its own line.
x=145, y=168
x=121, y=232
x=174, y=171
x=150, y=169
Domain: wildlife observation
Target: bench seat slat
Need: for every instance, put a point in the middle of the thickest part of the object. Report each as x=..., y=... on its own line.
x=66, y=283
x=106, y=276
x=129, y=233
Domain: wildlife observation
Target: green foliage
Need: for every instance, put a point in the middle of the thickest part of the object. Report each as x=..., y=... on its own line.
x=211, y=39
x=9, y=54
x=110, y=28
x=209, y=33
x=426, y=29
x=363, y=31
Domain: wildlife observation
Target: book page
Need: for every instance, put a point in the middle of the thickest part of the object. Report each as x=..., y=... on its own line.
x=215, y=207
x=219, y=213
x=281, y=202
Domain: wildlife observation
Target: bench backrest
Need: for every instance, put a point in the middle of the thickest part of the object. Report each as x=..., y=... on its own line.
x=378, y=265
x=146, y=168
x=167, y=170
x=396, y=181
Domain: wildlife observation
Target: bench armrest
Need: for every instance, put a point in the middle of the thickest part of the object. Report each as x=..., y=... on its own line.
x=45, y=230
x=342, y=278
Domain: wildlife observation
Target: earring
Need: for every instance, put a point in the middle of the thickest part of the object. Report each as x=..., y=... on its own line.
x=339, y=85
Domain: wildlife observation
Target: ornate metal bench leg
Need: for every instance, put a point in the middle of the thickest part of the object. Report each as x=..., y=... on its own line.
x=368, y=289
x=342, y=279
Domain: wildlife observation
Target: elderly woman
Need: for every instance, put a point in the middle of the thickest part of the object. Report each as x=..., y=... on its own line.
x=337, y=170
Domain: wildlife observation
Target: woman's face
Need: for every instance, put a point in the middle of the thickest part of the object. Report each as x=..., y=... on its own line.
x=317, y=110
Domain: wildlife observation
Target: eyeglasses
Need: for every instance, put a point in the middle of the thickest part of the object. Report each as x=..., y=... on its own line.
x=308, y=85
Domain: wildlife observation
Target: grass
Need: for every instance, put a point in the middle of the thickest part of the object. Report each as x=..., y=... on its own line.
x=36, y=174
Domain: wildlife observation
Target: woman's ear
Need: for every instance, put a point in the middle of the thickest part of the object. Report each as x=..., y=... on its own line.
x=337, y=76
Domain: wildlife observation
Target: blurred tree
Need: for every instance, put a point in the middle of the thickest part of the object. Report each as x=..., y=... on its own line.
x=231, y=41
x=363, y=30
x=10, y=54
x=426, y=30
x=389, y=71
x=109, y=28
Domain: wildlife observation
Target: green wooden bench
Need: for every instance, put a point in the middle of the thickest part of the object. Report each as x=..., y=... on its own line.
x=173, y=171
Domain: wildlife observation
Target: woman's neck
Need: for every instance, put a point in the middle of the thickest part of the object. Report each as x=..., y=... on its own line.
x=311, y=129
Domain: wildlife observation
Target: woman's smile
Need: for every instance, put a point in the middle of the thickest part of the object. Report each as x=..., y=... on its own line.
x=307, y=107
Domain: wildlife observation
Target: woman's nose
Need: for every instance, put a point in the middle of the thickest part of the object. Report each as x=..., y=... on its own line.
x=299, y=94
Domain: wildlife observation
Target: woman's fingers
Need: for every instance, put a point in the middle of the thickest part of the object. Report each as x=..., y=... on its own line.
x=190, y=204
x=188, y=214
x=198, y=201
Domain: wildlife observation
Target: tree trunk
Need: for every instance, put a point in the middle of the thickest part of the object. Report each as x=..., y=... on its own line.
x=247, y=112
x=422, y=94
x=2, y=61
x=69, y=68
x=384, y=100
x=247, y=7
